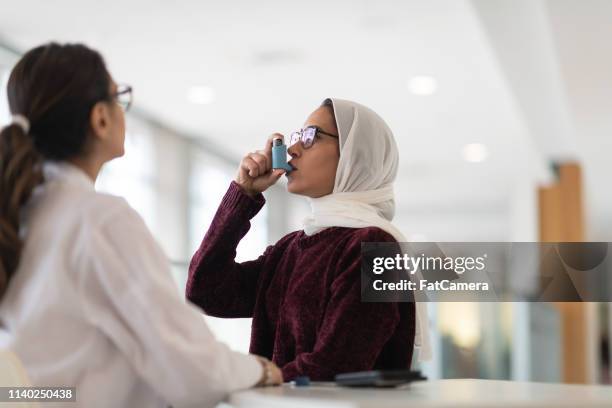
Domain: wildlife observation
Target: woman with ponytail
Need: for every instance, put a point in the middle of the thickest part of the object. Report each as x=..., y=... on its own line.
x=86, y=294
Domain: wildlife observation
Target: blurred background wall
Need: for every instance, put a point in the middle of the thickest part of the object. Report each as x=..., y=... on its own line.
x=488, y=100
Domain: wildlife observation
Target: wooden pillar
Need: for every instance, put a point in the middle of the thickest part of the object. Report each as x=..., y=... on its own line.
x=561, y=219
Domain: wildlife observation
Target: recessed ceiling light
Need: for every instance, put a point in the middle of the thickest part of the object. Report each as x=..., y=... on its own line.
x=201, y=95
x=423, y=85
x=475, y=152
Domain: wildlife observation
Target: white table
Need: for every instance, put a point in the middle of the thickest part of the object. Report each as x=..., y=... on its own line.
x=431, y=394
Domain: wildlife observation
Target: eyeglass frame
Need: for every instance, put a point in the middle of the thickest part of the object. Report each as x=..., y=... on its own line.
x=300, y=132
x=123, y=89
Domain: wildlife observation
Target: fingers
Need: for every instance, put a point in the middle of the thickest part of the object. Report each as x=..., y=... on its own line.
x=277, y=376
x=264, y=162
x=256, y=164
x=259, y=163
x=275, y=175
x=250, y=166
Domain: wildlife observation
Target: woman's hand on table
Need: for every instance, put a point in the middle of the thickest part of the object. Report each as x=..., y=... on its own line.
x=271, y=374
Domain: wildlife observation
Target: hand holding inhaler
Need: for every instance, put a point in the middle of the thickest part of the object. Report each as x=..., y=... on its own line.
x=261, y=169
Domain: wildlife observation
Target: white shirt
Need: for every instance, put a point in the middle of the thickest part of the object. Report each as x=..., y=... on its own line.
x=93, y=305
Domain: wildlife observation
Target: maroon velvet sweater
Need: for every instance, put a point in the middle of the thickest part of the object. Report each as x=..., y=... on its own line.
x=303, y=294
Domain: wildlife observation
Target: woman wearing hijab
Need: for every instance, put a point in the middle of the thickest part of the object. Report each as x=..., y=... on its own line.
x=86, y=295
x=304, y=292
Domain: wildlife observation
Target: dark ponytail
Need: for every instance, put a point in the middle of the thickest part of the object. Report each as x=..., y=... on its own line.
x=19, y=173
x=55, y=87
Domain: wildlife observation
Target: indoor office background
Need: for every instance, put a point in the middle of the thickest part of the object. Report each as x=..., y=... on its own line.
x=501, y=110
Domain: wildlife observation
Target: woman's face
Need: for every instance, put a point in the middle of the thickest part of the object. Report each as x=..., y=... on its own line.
x=116, y=140
x=108, y=125
x=315, y=167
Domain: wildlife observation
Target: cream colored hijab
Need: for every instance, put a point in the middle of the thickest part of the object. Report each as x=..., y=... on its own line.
x=363, y=191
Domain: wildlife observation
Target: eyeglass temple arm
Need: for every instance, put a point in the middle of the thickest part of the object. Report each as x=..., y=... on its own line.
x=325, y=133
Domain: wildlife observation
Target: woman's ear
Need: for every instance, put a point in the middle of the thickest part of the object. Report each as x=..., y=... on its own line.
x=99, y=120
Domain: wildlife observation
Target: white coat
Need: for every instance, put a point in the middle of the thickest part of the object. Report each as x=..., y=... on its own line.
x=93, y=305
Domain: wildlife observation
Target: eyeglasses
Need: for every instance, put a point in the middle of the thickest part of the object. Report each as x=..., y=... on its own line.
x=123, y=96
x=307, y=136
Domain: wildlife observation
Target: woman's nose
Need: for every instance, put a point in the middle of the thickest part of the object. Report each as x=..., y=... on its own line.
x=295, y=150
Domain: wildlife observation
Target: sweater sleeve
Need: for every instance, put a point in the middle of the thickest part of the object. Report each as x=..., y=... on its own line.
x=352, y=333
x=216, y=283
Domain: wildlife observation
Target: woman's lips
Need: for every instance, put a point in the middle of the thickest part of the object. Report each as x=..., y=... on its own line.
x=288, y=173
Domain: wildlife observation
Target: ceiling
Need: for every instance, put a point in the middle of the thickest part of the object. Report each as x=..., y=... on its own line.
x=271, y=63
